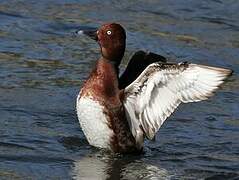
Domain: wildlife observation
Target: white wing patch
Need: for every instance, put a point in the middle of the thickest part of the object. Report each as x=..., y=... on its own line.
x=160, y=88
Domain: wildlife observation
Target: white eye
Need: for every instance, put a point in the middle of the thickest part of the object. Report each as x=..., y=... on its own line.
x=109, y=32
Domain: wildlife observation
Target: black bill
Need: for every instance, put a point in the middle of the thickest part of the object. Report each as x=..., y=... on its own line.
x=92, y=33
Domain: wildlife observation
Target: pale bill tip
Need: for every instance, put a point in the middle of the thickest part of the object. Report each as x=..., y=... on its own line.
x=80, y=32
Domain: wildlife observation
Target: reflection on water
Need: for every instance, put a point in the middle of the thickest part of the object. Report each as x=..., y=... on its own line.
x=43, y=65
x=105, y=166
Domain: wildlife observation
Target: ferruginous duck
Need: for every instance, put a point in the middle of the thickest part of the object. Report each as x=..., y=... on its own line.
x=119, y=113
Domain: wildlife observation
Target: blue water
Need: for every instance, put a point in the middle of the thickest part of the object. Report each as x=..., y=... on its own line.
x=43, y=65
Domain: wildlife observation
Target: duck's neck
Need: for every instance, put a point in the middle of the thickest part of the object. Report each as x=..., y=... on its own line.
x=113, y=64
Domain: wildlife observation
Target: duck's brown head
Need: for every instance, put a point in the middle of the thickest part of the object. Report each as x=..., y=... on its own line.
x=111, y=38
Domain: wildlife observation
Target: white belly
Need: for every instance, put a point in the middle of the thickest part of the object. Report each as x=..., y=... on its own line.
x=93, y=122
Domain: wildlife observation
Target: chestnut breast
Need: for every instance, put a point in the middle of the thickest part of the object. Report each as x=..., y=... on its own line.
x=102, y=86
x=97, y=104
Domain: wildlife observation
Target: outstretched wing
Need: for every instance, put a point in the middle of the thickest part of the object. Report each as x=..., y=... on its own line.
x=137, y=64
x=160, y=88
